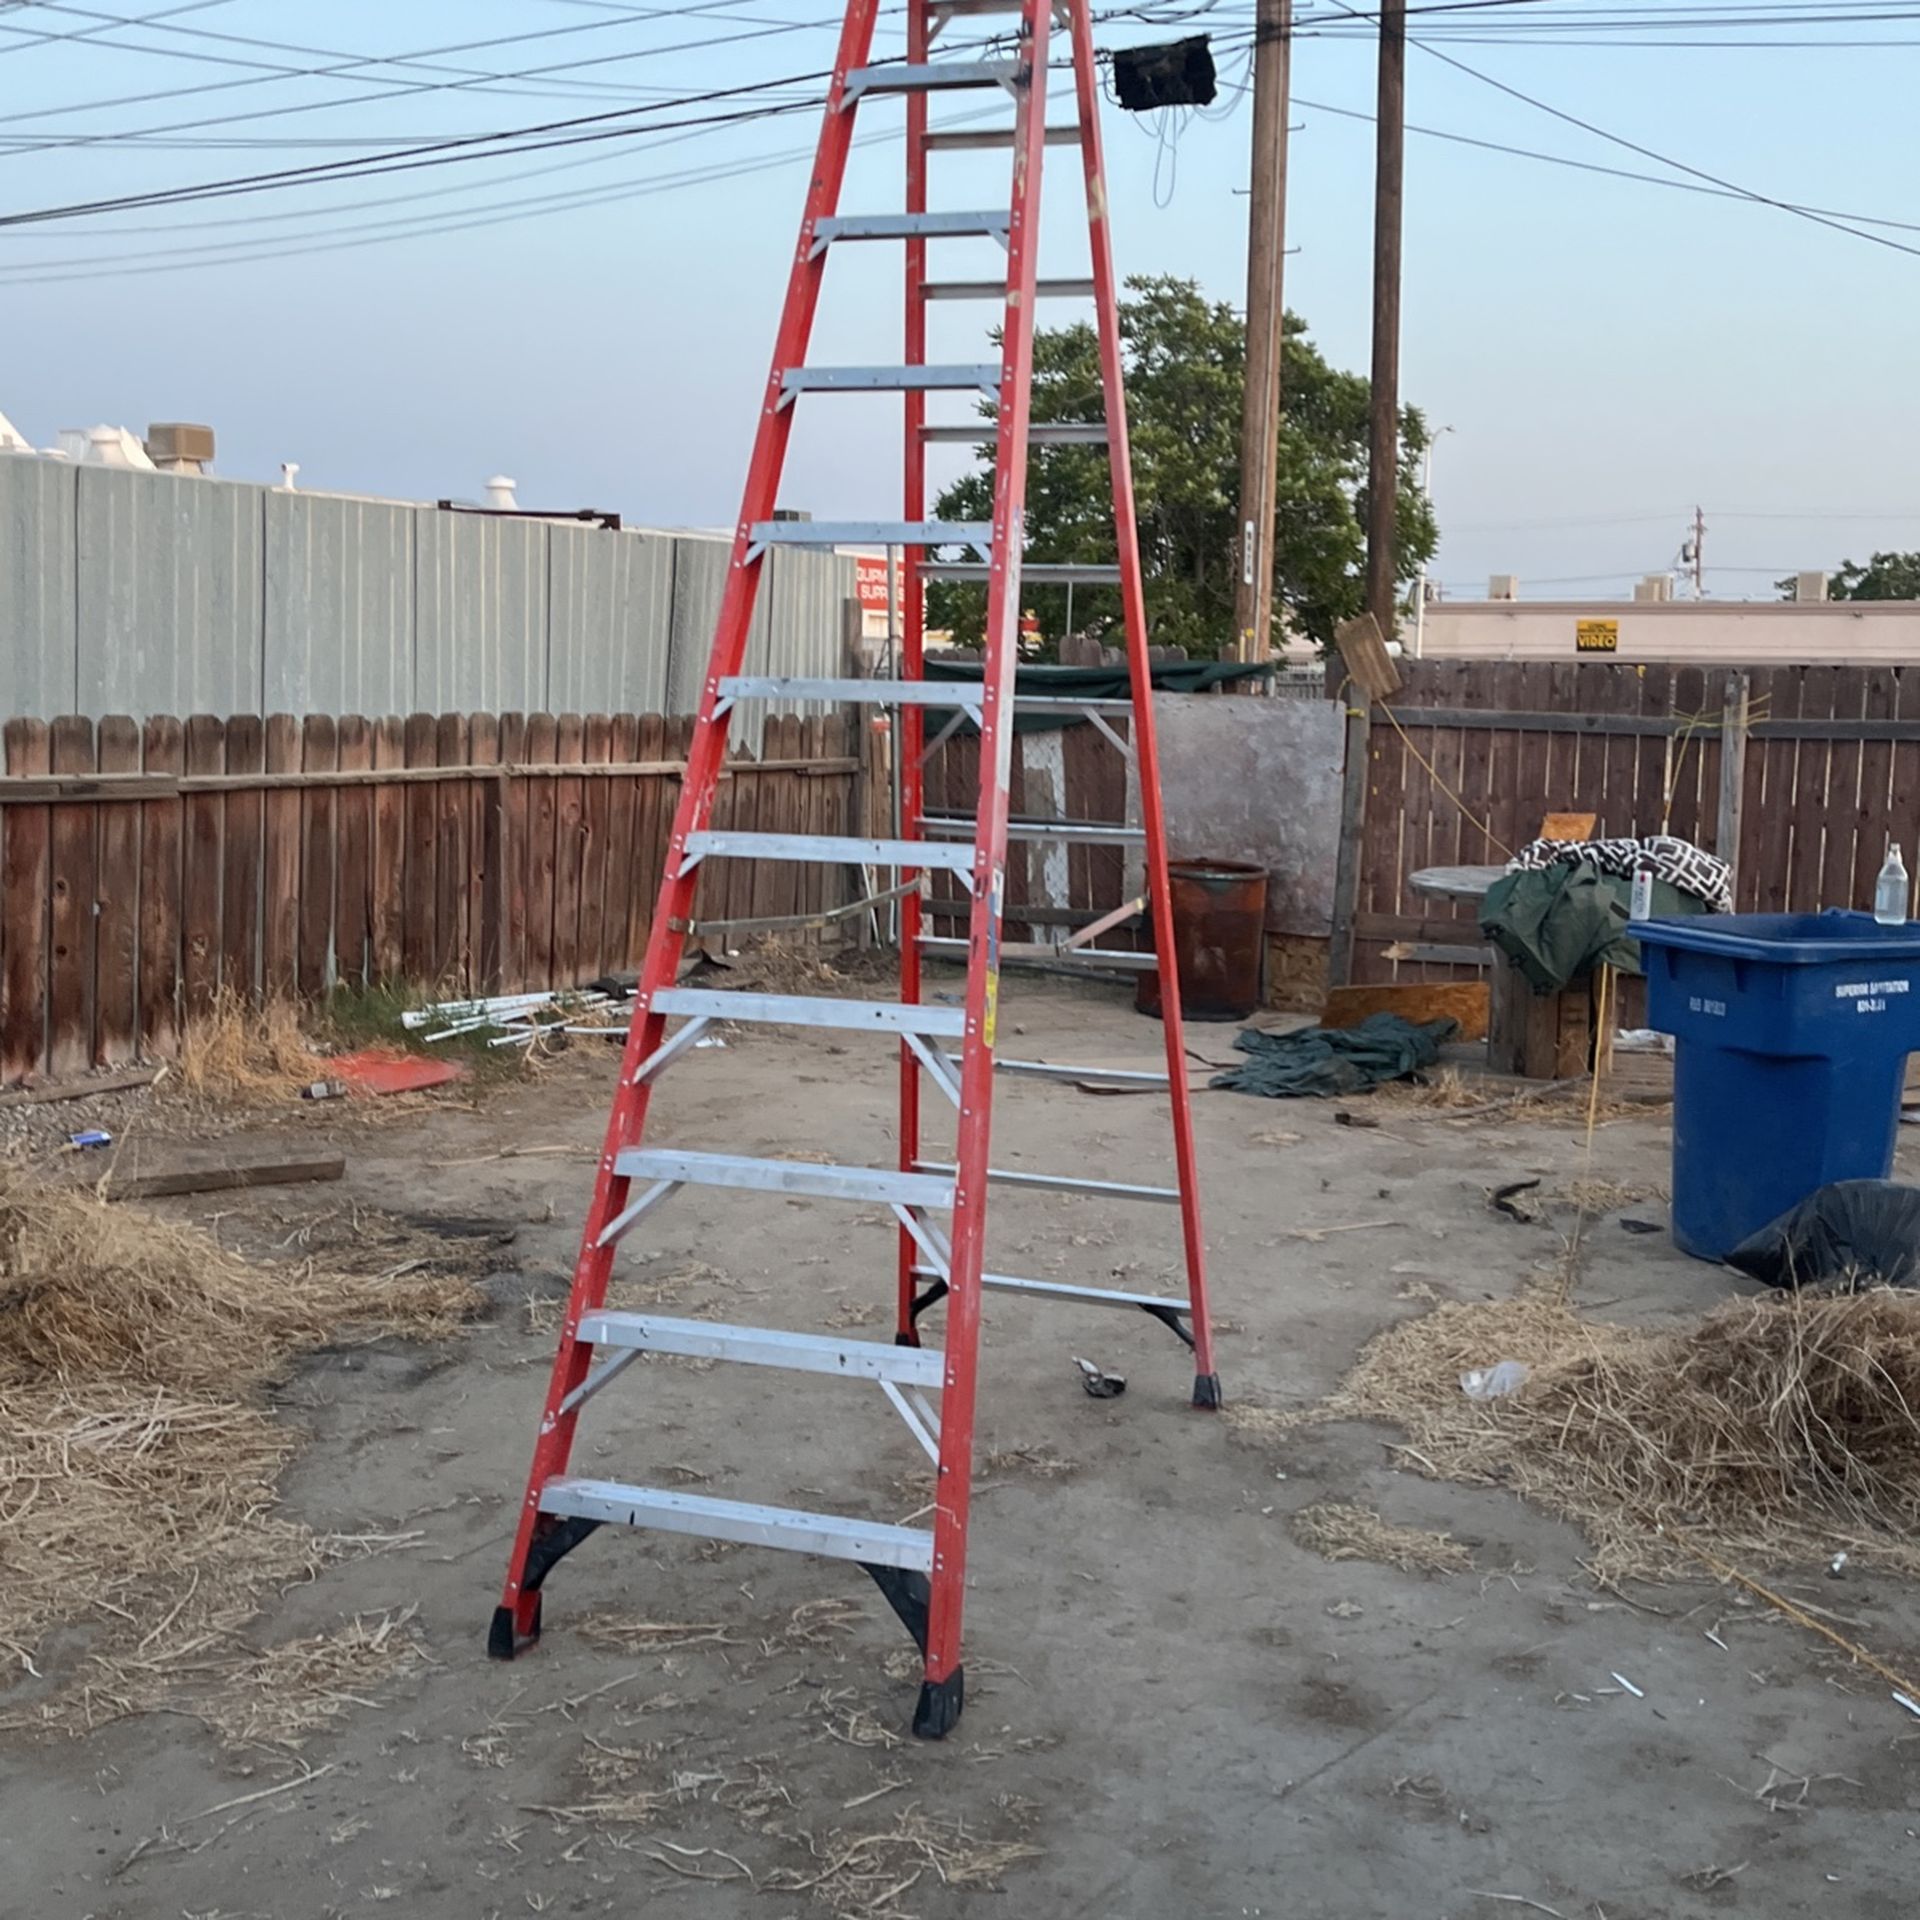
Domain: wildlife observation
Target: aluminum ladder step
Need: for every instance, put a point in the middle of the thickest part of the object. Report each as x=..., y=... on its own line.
x=943, y=947
x=1036, y=573
x=800, y=1177
x=840, y=1537
x=810, y=1010
x=985, y=140
x=764, y=1347
x=1092, y=833
x=997, y=290
x=981, y=375
x=831, y=849
x=929, y=76
x=871, y=533
x=990, y=223
x=878, y=693
x=1040, y=433
x=1064, y=1183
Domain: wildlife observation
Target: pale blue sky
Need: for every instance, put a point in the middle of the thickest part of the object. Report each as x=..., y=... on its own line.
x=1607, y=353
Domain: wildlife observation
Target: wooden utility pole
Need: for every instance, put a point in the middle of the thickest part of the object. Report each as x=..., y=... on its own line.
x=1266, y=321
x=1383, y=437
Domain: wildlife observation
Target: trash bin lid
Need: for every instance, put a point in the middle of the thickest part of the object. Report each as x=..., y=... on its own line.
x=1785, y=939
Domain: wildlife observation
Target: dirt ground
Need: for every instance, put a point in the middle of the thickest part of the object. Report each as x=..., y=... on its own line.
x=1173, y=1708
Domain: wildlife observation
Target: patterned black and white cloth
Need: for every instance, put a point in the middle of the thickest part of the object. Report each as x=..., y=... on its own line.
x=1678, y=862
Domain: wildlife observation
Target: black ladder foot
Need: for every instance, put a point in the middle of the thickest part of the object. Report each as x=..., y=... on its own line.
x=940, y=1703
x=1206, y=1391
x=502, y=1642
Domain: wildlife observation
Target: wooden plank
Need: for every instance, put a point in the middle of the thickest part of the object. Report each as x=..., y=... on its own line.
x=320, y=748
x=387, y=878
x=597, y=749
x=1620, y=808
x=72, y=934
x=125, y=1081
x=353, y=891
x=1681, y=806
x=621, y=878
x=826, y=886
x=116, y=1025
x=1842, y=812
x=26, y=866
x=784, y=811
x=1348, y=858
x=1731, y=773
x=653, y=799
x=244, y=828
x=218, y=1179
x=453, y=810
x=1872, y=820
x=514, y=971
x=205, y=868
x=1772, y=822
x=1903, y=807
x=569, y=821
x=1819, y=686
x=486, y=829
x=1656, y=702
x=418, y=946
x=1363, y=651
x=1463, y=1001
x=542, y=812
x=280, y=898
x=162, y=833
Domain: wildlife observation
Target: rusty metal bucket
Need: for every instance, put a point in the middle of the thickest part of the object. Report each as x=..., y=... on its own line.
x=1219, y=917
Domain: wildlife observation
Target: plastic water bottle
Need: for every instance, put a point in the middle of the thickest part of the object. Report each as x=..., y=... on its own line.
x=1890, y=890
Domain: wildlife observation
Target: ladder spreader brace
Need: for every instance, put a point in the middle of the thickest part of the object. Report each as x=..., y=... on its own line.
x=921, y=1572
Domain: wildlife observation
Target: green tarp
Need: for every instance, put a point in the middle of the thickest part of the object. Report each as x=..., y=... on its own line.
x=1318, y=1061
x=1556, y=924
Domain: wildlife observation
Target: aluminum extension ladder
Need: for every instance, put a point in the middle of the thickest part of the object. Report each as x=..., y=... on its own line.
x=920, y=1571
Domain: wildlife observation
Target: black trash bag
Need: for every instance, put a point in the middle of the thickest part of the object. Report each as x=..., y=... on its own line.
x=1863, y=1233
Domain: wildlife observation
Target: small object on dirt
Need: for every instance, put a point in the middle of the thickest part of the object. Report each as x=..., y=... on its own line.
x=1504, y=1200
x=1631, y=1225
x=1628, y=1684
x=323, y=1090
x=391, y=1070
x=1836, y=1566
x=1100, y=1384
x=1907, y=1700
x=215, y=1179
x=89, y=1137
x=1495, y=1382
x=711, y=1040
x=1346, y=1610
x=1859, y=1233
x=1345, y=1117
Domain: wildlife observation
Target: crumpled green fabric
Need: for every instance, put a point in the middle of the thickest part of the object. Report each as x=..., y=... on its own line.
x=1319, y=1061
x=1556, y=924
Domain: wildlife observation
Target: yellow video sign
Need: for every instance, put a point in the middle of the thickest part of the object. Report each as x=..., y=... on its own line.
x=1596, y=636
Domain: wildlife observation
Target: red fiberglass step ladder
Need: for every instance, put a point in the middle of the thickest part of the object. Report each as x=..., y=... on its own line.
x=920, y=1571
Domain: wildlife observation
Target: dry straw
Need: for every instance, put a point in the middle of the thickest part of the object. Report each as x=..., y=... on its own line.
x=1770, y=1431
x=138, y=1463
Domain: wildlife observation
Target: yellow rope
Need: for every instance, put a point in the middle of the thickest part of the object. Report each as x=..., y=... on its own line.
x=1800, y=1617
x=1433, y=773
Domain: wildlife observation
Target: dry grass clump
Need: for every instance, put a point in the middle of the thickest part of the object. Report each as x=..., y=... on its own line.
x=138, y=1463
x=1344, y=1530
x=239, y=1051
x=1770, y=1431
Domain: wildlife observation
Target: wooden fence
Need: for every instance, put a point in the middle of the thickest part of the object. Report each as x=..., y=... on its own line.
x=1796, y=774
x=145, y=867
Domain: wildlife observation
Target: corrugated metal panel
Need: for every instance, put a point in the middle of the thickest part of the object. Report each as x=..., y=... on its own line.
x=339, y=605
x=480, y=613
x=169, y=614
x=610, y=598
x=804, y=594
x=37, y=627
x=699, y=576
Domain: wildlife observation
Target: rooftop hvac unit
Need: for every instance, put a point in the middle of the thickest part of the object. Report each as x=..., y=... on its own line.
x=1655, y=586
x=1504, y=586
x=1811, y=585
x=178, y=446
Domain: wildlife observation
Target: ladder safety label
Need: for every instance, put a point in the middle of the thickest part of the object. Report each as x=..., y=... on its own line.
x=993, y=1007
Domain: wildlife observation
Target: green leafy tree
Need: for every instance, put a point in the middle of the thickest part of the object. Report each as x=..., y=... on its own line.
x=1185, y=360
x=1887, y=576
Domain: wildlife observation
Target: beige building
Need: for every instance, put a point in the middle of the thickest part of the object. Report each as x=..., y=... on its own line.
x=1851, y=633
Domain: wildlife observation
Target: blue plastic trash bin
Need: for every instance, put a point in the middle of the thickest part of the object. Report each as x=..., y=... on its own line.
x=1791, y=1035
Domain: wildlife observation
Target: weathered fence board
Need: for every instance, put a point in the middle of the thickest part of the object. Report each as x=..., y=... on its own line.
x=145, y=869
